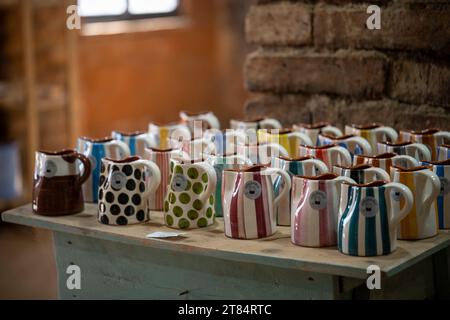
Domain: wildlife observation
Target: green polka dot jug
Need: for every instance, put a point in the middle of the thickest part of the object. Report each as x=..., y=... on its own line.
x=189, y=203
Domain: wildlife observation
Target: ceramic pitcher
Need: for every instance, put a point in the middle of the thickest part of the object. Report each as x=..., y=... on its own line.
x=136, y=141
x=249, y=201
x=373, y=133
x=418, y=151
x=362, y=173
x=442, y=170
x=315, y=208
x=190, y=200
x=386, y=160
x=199, y=122
x=255, y=124
x=124, y=189
x=261, y=153
x=313, y=130
x=443, y=152
x=422, y=219
x=330, y=154
x=430, y=137
x=220, y=163
x=161, y=157
x=95, y=150
x=368, y=222
x=57, y=182
x=305, y=166
x=165, y=136
x=354, y=144
x=287, y=138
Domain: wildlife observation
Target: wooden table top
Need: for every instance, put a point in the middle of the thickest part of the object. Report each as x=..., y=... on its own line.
x=275, y=251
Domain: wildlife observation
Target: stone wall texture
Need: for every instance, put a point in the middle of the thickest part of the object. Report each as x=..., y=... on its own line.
x=317, y=61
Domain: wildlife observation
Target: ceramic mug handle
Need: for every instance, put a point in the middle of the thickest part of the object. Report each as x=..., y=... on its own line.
x=212, y=180
x=389, y=132
x=444, y=134
x=346, y=158
x=304, y=138
x=86, y=167
x=422, y=150
x=408, y=160
x=362, y=143
x=153, y=183
x=270, y=124
x=286, y=186
x=319, y=166
x=428, y=200
x=409, y=201
x=382, y=174
x=124, y=150
x=332, y=130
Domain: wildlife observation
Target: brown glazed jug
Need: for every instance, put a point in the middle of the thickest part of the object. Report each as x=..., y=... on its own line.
x=57, y=182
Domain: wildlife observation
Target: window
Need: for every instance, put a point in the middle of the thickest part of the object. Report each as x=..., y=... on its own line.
x=111, y=10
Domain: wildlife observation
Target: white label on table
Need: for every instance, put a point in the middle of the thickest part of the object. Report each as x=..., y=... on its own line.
x=160, y=234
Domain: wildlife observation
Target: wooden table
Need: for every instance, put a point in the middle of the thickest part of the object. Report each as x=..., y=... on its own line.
x=119, y=262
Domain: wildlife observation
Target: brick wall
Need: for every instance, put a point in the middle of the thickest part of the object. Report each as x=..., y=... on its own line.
x=316, y=60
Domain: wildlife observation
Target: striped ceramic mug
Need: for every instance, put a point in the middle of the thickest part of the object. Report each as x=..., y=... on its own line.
x=362, y=173
x=443, y=152
x=386, y=160
x=373, y=133
x=313, y=130
x=422, y=219
x=418, y=151
x=315, y=207
x=354, y=144
x=96, y=150
x=442, y=170
x=367, y=223
x=249, y=201
x=162, y=159
x=304, y=166
x=430, y=137
x=330, y=154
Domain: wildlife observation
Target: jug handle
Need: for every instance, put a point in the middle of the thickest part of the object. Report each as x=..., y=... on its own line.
x=409, y=201
x=363, y=143
x=332, y=130
x=124, y=149
x=389, y=132
x=287, y=183
x=435, y=187
x=424, y=153
x=306, y=140
x=410, y=160
x=346, y=158
x=272, y=123
x=382, y=174
x=212, y=180
x=86, y=167
x=153, y=183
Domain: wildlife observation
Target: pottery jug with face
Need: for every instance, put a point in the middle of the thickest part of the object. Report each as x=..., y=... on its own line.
x=418, y=151
x=442, y=170
x=368, y=222
x=443, y=152
x=330, y=154
x=373, y=133
x=255, y=124
x=190, y=200
x=362, y=173
x=354, y=144
x=305, y=166
x=124, y=189
x=432, y=138
x=161, y=157
x=313, y=130
x=166, y=136
x=57, y=182
x=95, y=150
x=422, y=219
x=220, y=163
x=136, y=141
x=289, y=139
x=315, y=208
x=386, y=160
x=249, y=201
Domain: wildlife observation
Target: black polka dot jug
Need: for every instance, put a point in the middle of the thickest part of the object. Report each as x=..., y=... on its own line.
x=124, y=189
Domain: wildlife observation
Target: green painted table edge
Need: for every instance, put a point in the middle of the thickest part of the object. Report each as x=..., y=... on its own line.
x=23, y=216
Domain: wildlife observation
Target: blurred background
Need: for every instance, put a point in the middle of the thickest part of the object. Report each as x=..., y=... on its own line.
x=131, y=62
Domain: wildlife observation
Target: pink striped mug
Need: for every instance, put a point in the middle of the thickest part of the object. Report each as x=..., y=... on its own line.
x=330, y=154
x=249, y=201
x=315, y=208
